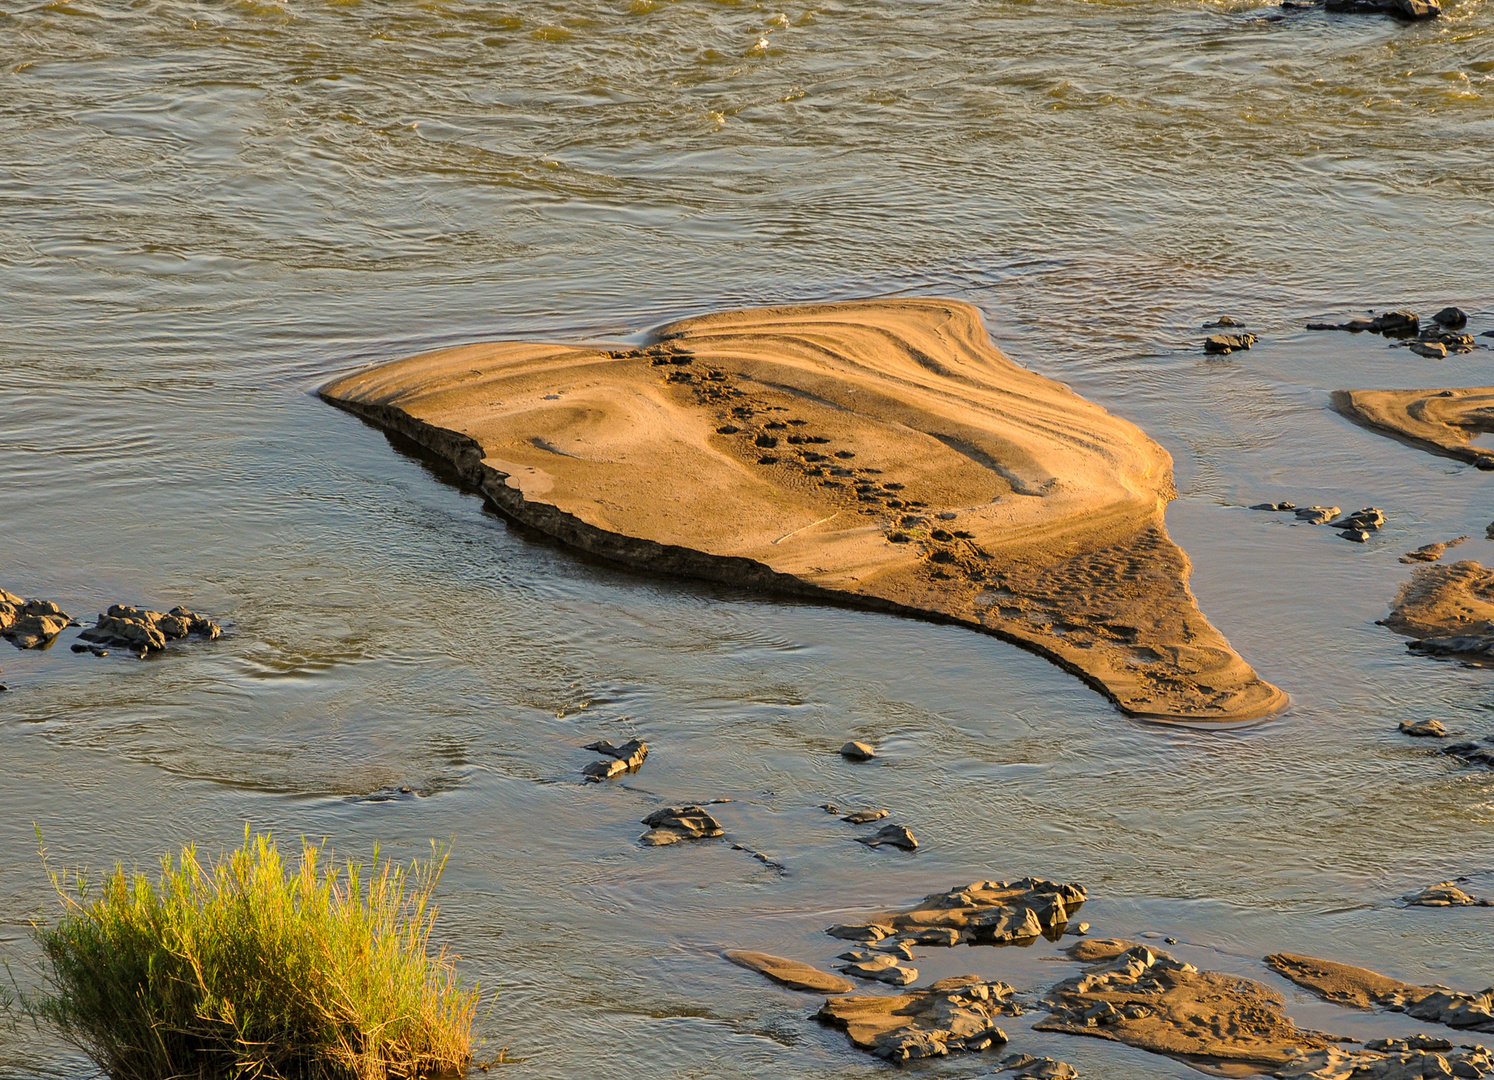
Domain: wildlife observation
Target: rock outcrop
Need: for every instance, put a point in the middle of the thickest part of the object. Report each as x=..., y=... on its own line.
x=794, y=974
x=1442, y=421
x=148, y=631
x=1391, y=1059
x=952, y=1015
x=30, y=624
x=1431, y=552
x=1344, y=984
x=676, y=823
x=982, y=913
x=881, y=453
x=1144, y=998
x=620, y=759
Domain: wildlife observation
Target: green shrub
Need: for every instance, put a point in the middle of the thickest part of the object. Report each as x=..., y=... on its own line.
x=250, y=969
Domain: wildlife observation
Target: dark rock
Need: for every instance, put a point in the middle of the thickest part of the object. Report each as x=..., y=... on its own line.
x=858, y=751
x=1424, y=729
x=1432, y=350
x=1275, y=506
x=860, y=932
x=1458, y=645
x=675, y=823
x=1359, y=536
x=1451, y=317
x=1222, y=322
x=1228, y=343
x=1369, y=519
x=1404, y=323
x=767, y=442
x=896, y=835
x=727, y=429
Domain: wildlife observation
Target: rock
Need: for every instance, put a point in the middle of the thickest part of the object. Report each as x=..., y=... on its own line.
x=4, y=689
x=898, y=949
x=1028, y=1067
x=981, y=913
x=897, y=835
x=605, y=769
x=1078, y=929
x=1451, y=317
x=30, y=624
x=1422, y=729
x=1471, y=752
x=1345, y=984
x=953, y=1015
x=147, y=631
x=1432, y=350
x=863, y=932
x=1454, y=341
x=1415, y=1042
x=1222, y=321
x=625, y=758
x=1445, y=894
x=1390, y=323
x=1431, y=552
x=857, y=751
x=1318, y=515
x=1274, y=506
x=882, y=969
x=791, y=973
x=1332, y=1063
x=1359, y=536
x=683, y=822
x=863, y=817
x=1228, y=343
x=1396, y=322
x=1370, y=519
x=1144, y=998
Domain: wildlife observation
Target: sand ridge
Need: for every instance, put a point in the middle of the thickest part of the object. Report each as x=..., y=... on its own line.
x=1441, y=421
x=883, y=453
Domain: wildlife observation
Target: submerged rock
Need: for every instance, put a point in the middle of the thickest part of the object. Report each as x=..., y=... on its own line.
x=1471, y=752
x=625, y=758
x=1451, y=317
x=899, y=836
x=1280, y=506
x=1445, y=894
x=1028, y=1067
x=676, y=823
x=1227, y=343
x=864, y=817
x=1432, y=350
x=1143, y=998
x=30, y=624
x=982, y=913
x=148, y=631
x=1424, y=729
x=858, y=751
x=1390, y=323
x=1222, y=322
x=1431, y=552
x=791, y=973
x=952, y=1015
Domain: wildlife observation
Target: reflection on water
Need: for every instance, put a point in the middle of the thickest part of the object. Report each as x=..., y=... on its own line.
x=208, y=210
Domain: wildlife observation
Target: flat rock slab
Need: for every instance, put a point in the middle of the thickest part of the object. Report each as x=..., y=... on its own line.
x=982, y=913
x=1431, y=552
x=952, y=1015
x=1345, y=984
x=1442, y=421
x=794, y=974
x=1149, y=1000
x=882, y=453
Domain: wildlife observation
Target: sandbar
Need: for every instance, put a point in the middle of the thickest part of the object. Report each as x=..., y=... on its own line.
x=883, y=454
x=1441, y=421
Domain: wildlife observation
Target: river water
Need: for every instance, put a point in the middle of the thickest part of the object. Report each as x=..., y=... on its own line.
x=207, y=210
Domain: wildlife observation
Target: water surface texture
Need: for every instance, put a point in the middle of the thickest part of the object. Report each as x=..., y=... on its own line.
x=207, y=210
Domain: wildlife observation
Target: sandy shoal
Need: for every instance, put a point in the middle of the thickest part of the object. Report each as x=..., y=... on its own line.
x=883, y=453
x=1441, y=421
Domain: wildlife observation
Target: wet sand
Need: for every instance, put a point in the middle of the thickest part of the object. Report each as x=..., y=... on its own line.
x=1441, y=421
x=882, y=453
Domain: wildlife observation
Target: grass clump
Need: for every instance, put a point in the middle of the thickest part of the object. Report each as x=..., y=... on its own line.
x=251, y=969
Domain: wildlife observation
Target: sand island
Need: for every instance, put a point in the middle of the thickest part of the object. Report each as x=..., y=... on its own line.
x=1441, y=421
x=879, y=453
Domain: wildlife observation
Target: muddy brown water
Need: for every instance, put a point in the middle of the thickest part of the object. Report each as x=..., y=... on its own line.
x=206, y=210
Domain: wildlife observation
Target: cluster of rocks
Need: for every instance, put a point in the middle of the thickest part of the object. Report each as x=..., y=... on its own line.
x=675, y=823
x=1442, y=334
x=148, y=631
x=620, y=759
x=1468, y=645
x=1028, y=1067
x=952, y=1015
x=1396, y=324
x=30, y=624
x=1446, y=894
x=1358, y=526
x=982, y=913
x=1391, y=1059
